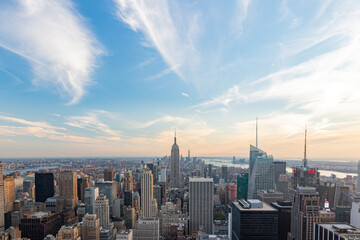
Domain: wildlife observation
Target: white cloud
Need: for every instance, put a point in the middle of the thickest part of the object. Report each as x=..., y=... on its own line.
x=155, y=21
x=160, y=74
x=92, y=122
x=54, y=38
x=163, y=119
x=231, y=96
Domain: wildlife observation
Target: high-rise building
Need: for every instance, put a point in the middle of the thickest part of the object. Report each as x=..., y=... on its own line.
x=175, y=180
x=201, y=195
x=284, y=218
x=279, y=168
x=91, y=227
x=129, y=198
x=108, y=174
x=355, y=214
x=230, y=193
x=128, y=181
x=130, y=217
x=147, y=229
x=9, y=192
x=210, y=173
x=153, y=169
x=148, y=203
x=109, y=189
x=305, y=176
x=242, y=186
x=90, y=196
x=304, y=213
x=253, y=220
x=157, y=194
x=269, y=196
x=336, y=231
x=2, y=205
x=261, y=171
x=101, y=209
x=282, y=185
x=70, y=232
x=68, y=198
x=44, y=186
x=224, y=172
x=358, y=176
x=39, y=224
x=83, y=183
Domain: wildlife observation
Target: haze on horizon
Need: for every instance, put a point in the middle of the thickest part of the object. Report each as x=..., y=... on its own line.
x=116, y=77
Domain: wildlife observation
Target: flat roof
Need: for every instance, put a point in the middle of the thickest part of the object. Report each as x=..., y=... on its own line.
x=342, y=229
x=266, y=207
x=200, y=179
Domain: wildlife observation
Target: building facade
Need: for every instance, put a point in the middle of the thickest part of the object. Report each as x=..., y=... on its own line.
x=101, y=209
x=253, y=220
x=261, y=168
x=201, y=195
x=175, y=179
x=44, y=186
x=148, y=203
x=68, y=198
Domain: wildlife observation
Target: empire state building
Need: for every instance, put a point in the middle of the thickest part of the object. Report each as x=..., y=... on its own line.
x=175, y=181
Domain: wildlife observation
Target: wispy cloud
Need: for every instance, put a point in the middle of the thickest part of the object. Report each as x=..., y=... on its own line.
x=56, y=41
x=160, y=74
x=92, y=122
x=179, y=31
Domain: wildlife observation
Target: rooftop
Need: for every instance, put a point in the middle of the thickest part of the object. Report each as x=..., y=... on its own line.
x=265, y=206
x=342, y=229
x=200, y=179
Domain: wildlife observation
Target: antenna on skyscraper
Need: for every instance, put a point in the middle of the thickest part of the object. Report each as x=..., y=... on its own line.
x=175, y=136
x=305, y=160
x=256, y=132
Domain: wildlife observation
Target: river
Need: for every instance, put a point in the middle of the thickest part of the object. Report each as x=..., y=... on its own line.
x=228, y=162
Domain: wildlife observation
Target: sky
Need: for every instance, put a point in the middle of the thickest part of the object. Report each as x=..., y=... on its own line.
x=117, y=77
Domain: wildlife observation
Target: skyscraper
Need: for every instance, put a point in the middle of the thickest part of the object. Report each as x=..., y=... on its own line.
x=68, y=199
x=358, y=176
x=175, y=181
x=91, y=227
x=44, y=186
x=279, y=168
x=101, y=209
x=305, y=213
x=253, y=220
x=148, y=204
x=224, y=172
x=108, y=174
x=304, y=175
x=242, y=186
x=9, y=192
x=261, y=171
x=128, y=181
x=109, y=189
x=2, y=205
x=201, y=204
x=90, y=196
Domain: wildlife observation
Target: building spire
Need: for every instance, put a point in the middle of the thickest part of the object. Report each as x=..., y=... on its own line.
x=175, y=137
x=256, y=132
x=305, y=160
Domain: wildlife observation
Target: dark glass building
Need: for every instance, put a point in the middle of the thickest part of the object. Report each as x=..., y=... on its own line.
x=242, y=186
x=284, y=216
x=253, y=220
x=44, y=186
x=39, y=225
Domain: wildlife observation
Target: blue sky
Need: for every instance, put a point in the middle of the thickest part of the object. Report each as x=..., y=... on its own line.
x=115, y=78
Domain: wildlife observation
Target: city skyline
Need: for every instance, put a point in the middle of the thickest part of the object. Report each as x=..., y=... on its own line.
x=207, y=70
